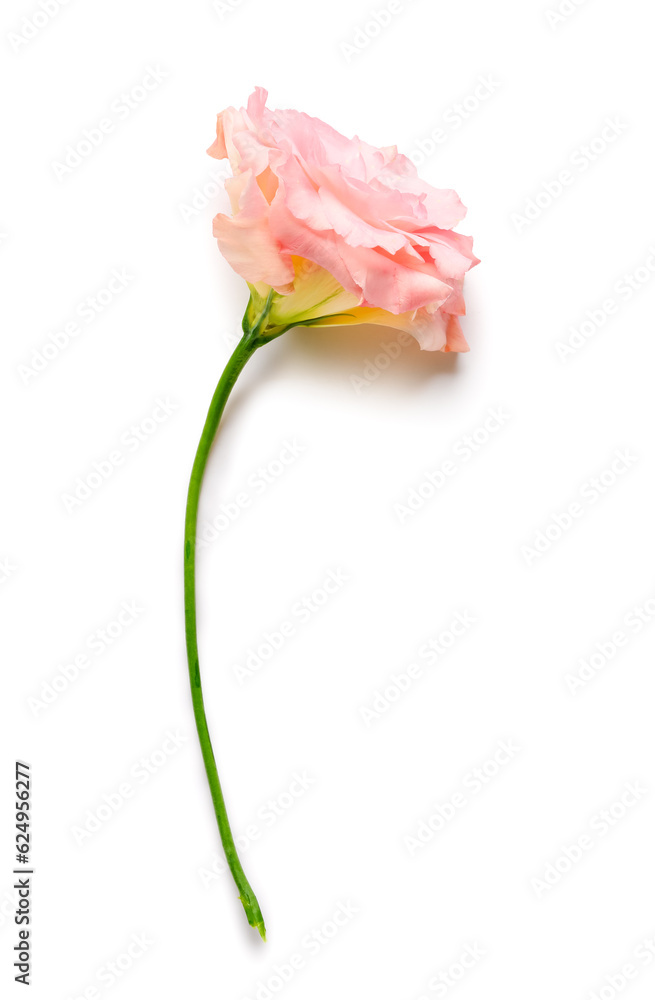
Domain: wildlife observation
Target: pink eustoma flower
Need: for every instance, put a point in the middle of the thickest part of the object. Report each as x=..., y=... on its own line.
x=339, y=231
x=327, y=231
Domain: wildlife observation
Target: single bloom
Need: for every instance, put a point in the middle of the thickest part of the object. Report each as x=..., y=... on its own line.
x=326, y=231
x=332, y=231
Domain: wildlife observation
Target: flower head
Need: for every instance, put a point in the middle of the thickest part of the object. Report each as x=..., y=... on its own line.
x=328, y=230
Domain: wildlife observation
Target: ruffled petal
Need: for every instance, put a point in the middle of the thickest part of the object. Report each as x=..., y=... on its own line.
x=245, y=239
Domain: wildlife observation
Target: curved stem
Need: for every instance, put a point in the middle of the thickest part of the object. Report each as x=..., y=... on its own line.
x=245, y=349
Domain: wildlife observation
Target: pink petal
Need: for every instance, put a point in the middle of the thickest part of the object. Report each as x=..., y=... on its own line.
x=246, y=242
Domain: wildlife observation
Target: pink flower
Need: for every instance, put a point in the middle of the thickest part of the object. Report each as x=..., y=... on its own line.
x=341, y=232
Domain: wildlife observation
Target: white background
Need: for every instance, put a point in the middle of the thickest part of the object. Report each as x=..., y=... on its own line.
x=469, y=548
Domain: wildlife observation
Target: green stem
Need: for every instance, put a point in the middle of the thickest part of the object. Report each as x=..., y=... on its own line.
x=245, y=349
